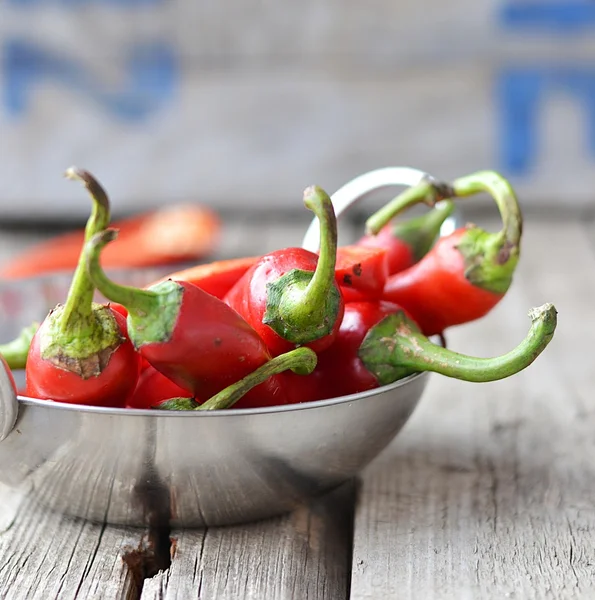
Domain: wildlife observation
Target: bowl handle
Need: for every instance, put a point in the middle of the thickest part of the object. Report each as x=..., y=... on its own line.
x=360, y=187
x=9, y=406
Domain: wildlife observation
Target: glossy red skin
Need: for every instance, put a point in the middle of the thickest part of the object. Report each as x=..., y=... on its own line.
x=340, y=371
x=249, y=296
x=111, y=388
x=399, y=254
x=210, y=348
x=436, y=292
x=361, y=272
x=152, y=388
x=118, y=308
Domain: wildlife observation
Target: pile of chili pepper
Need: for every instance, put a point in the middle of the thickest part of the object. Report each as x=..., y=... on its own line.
x=289, y=326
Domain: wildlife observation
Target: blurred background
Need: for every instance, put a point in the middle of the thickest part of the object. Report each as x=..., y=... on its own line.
x=239, y=105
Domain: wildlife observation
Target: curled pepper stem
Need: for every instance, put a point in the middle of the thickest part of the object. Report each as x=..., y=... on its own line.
x=301, y=361
x=430, y=193
x=80, y=296
x=421, y=232
x=317, y=291
x=16, y=351
x=425, y=192
x=303, y=306
x=137, y=301
x=501, y=191
x=396, y=348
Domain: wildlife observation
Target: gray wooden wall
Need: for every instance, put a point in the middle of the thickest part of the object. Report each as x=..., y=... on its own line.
x=249, y=101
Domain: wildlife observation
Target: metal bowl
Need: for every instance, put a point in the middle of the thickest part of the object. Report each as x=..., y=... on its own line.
x=134, y=467
x=141, y=467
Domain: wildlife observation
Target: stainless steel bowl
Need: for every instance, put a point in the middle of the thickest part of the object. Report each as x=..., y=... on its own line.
x=137, y=467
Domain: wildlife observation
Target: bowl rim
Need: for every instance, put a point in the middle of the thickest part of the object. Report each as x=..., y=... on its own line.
x=228, y=412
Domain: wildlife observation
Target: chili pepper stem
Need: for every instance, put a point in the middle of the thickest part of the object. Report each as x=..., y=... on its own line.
x=396, y=348
x=78, y=306
x=177, y=404
x=490, y=258
x=425, y=192
x=421, y=232
x=16, y=351
x=301, y=361
x=80, y=335
x=157, y=307
x=301, y=306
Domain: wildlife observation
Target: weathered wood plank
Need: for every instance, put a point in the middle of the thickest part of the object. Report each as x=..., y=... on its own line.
x=265, y=134
x=488, y=491
x=346, y=34
x=48, y=556
x=303, y=555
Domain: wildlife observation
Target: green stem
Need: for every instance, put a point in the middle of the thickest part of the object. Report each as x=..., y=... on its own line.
x=430, y=193
x=396, y=348
x=79, y=301
x=317, y=291
x=421, y=232
x=16, y=351
x=136, y=301
x=152, y=313
x=425, y=192
x=501, y=191
x=303, y=306
x=301, y=361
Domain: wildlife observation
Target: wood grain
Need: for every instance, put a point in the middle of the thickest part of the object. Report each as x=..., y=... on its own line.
x=488, y=492
x=304, y=555
x=47, y=556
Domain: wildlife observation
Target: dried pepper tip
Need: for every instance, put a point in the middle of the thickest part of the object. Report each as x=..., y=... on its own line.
x=152, y=312
x=421, y=232
x=395, y=348
x=16, y=351
x=303, y=306
x=490, y=258
x=301, y=361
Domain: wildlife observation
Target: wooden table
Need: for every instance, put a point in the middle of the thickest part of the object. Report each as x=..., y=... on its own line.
x=488, y=492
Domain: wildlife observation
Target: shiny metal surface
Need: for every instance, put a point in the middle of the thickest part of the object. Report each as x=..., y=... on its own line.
x=140, y=467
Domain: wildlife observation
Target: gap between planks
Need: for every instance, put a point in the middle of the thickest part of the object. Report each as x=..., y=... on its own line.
x=306, y=554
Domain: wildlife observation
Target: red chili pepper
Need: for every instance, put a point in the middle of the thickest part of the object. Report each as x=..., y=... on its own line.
x=290, y=296
x=407, y=242
x=378, y=344
x=81, y=354
x=361, y=272
x=152, y=388
x=191, y=337
x=299, y=362
x=217, y=277
x=340, y=371
x=466, y=273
